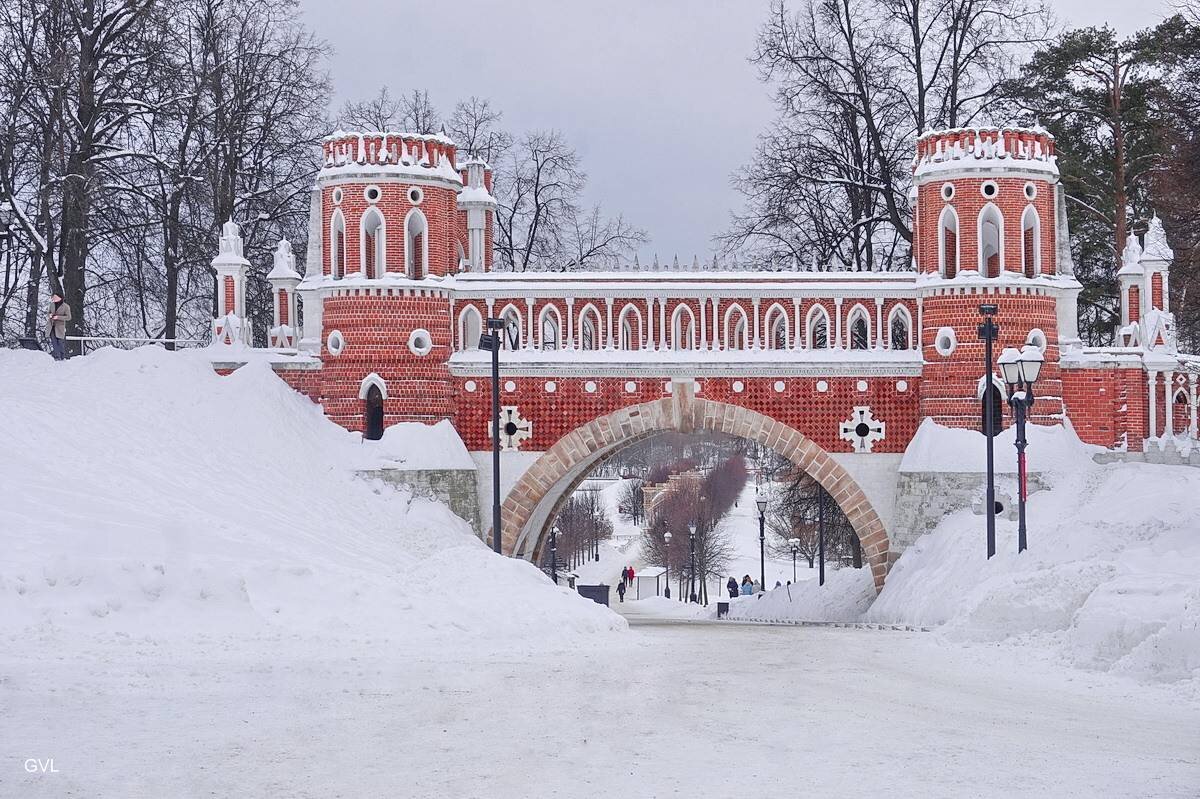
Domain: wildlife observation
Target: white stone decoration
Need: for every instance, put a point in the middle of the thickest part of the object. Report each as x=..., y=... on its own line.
x=779, y=386
x=902, y=386
x=335, y=342
x=945, y=341
x=862, y=429
x=822, y=386
x=738, y=386
x=372, y=194
x=510, y=386
x=551, y=386
x=1038, y=338
x=514, y=428
x=590, y=387
x=667, y=387
x=420, y=343
x=630, y=387
x=861, y=385
x=470, y=386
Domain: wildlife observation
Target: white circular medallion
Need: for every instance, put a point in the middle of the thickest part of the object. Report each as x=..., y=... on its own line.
x=822, y=386
x=420, y=343
x=470, y=386
x=738, y=386
x=862, y=385
x=510, y=386
x=902, y=385
x=780, y=386
x=667, y=387
x=590, y=387
x=335, y=342
x=551, y=386
x=945, y=341
x=630, y=387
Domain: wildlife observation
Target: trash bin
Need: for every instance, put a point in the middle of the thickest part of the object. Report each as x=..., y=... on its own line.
x=596, y=593
x=29, y=344
x=722, y=610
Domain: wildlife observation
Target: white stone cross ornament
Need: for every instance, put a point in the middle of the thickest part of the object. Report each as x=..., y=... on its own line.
x=862, y=429
x=514, y=428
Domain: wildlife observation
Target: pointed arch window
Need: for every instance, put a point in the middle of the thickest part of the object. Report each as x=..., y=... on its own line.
x=991, y=241
x=589, y=328
x=777, y=328
x=510, y=337
x=470, y=327
x=859, y=332
x=416, y=245
x=899, y=329
x=551, y=326
x=948, y=243
x=683, y=329
x=737, y=329
x=630, y=324
x=817, y=328
x=337, y=245
x=1031, y=236
x=373, y=244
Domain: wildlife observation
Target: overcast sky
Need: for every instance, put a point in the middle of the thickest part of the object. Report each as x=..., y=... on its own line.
x=657, y=95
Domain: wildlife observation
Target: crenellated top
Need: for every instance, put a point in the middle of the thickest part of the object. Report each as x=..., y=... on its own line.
x=990, y=148
x=406, y=151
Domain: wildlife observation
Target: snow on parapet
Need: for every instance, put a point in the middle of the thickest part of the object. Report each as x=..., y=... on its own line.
x=408, y=152
x=1021, y=148
x=229, y=248
x=284, y=263
x=1131, y=257
x=717, y=264
x=1156, y=248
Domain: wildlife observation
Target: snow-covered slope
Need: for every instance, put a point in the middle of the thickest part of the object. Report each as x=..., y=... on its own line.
x=142, y=494
x=1111, y=579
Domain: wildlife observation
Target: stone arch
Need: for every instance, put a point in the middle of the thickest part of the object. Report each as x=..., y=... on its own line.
x=534, y=500
x=736, y=337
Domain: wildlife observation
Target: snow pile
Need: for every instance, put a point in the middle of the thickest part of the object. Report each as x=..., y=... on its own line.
x=846, y=595
x=1109, y=580
x=142, y=494
x=935, y=448
x=412, y=445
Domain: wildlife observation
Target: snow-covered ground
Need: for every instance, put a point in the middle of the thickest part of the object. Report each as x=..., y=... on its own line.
x=198, y=598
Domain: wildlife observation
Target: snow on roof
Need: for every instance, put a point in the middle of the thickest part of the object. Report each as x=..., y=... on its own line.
x=1156, y=248
x=1131, y=258
x=955, y=449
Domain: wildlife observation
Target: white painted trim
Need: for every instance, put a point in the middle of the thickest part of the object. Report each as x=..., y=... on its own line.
x=899, y=309
x=411, y=269
x=464, y=342
x=988, y=210
x=949, y=211
x=729, y=338
x=1037, y=239
x=380, y=243
x=598, y=329
x=547, y=310
x=857, y=309
x=815, y=311
x=372, y=380
x=769, y=340
x=337, y=224
x=627, y=309
x=677, y=331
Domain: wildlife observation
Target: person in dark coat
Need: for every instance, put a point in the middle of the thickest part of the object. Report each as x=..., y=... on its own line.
x=621, y=590
x=732, y=587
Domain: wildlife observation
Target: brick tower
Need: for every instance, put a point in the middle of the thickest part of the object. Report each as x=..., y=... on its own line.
x=386, y=238
x=986, y=230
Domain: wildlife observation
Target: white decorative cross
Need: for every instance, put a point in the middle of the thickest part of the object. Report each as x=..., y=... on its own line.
x=513, y=428
x=862, y=429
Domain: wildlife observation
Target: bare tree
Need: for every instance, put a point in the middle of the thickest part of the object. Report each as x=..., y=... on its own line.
x=380, y=113
x=475, y=127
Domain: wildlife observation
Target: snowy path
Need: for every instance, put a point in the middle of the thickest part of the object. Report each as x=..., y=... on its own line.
x=665, y=710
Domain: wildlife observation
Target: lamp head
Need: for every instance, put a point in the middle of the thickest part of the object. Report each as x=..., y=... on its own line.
x=761, y=501
x=667, y=536
x=1010, y=365
x=1031, y=363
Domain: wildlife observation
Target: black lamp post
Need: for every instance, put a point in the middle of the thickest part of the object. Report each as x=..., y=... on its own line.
x=795, y=543
x=667, y=564
x=554, y=553
x=692, y=567
x=988, y=333
x=821, y=534
x=761, y=501
x=491, y=341
x=1021, y=369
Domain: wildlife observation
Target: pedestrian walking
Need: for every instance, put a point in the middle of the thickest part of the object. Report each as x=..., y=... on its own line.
x=56, y=326
x=621, y=591
x=747, y=586
x=732, y=587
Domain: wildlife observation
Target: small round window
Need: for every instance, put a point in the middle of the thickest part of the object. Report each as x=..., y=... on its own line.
x=947, y=191
x=415, y=195
x=335, y=343
x=1038, y=339
x=337, y=196
x=372, y=194
x=989, y=189
x=420, y=343
x=945, y=341
x=1030, y=190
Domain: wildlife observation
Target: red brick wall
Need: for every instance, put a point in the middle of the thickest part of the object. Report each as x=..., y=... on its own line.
x=816, y=414
x=1107, y=407
x=1135, y=304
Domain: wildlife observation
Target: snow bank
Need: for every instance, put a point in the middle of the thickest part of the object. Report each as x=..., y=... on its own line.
x=142, y=494
x=412, y=445
x=1109, y=581
x=846, y=595
x=935, y=448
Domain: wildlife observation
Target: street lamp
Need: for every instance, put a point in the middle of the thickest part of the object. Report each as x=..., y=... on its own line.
x=988, y=333
x=491, y=341
x=1021, y=369
x=821, y=533
x=554, y=553
x=692, y=567
x=795, y=544
x=761, y=501
x=667, y=564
